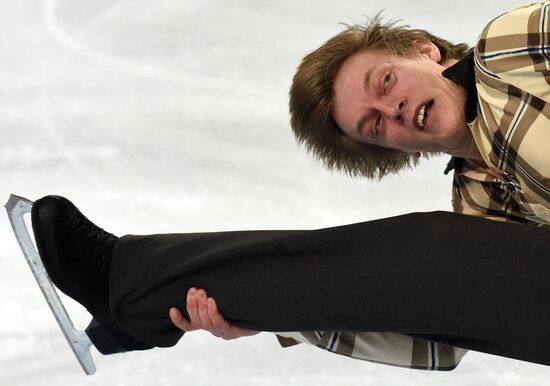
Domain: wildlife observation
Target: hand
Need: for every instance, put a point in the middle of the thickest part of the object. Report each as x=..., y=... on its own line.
x=204, y=315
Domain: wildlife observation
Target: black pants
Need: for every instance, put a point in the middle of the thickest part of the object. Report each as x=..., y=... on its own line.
x=474, y=283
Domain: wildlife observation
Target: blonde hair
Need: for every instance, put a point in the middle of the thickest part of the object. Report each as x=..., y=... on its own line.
x=311, y=97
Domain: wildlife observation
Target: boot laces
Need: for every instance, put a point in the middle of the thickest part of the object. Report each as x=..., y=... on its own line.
x=95, y=241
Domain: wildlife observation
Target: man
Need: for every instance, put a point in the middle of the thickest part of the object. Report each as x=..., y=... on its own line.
x=372, y=99
x=372, y=130
x=129, y=284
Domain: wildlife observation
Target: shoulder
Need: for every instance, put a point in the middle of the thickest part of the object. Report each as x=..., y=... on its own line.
x=517, y=20
x=513, y=31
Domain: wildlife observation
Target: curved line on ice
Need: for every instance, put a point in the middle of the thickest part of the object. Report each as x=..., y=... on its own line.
x=139, y=69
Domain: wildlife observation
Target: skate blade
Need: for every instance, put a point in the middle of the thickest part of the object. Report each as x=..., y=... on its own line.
x=80, y=343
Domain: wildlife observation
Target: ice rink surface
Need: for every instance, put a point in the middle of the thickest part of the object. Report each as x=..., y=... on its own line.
x=171, y=116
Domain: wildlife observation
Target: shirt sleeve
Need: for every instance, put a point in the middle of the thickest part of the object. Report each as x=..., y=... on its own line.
x=512, y=65
x=477, y=192
x=515, y=48
x=393, y=349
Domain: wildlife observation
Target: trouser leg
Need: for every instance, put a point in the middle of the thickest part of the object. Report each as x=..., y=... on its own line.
x=478, y=283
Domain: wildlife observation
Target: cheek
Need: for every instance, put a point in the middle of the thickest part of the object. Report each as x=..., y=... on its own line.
x=453, y=111
x=395, y=136
x=349, y=133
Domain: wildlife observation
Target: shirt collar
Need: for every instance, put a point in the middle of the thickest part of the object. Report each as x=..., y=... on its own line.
x=463, y=74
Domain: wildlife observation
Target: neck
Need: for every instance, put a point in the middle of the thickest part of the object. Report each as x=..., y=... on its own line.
x=467, y=148
x=448, y=62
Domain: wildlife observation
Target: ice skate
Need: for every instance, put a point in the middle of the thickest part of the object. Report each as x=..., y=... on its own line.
x=80, y=343
x=75, y=252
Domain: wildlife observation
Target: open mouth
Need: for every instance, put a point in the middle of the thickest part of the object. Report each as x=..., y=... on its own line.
x=423, y=114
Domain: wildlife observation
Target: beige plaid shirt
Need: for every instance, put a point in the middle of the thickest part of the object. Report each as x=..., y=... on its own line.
x=511, y=127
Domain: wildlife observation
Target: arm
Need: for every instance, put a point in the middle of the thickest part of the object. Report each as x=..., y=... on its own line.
x=512, y=64
x=386, y=348
x=514, y=49
x=477, y=192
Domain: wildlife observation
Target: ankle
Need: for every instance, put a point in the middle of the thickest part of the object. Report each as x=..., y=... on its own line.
x=108, y=338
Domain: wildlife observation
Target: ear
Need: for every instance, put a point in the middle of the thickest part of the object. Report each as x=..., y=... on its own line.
x=428, y=49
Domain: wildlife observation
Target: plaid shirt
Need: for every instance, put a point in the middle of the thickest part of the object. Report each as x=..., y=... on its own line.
x=507, y=83
x=512, y=126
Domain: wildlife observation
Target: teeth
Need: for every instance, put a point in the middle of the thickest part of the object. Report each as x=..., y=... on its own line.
x=420, y=118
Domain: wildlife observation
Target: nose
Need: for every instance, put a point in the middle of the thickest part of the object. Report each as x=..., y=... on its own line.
x=393, y=108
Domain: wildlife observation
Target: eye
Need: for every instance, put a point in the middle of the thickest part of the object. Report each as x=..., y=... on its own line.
x=377, y=125
x=387, y=79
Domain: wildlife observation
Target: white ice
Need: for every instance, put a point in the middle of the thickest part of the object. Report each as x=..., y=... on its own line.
x=170, y=115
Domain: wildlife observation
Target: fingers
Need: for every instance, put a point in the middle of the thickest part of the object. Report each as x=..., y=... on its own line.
x=179, y=320
x=205, y=320
x=222, y=326
x=197, y=309
x=193, y=307
x=204, y=314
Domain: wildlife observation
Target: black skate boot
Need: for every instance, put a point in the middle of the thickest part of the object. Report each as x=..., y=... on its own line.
x=77, y=256
x=75, y=252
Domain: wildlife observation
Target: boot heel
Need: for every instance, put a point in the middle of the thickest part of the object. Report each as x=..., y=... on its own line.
x=108, y=338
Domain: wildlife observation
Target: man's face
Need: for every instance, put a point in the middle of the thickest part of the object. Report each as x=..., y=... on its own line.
x=399, y=102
